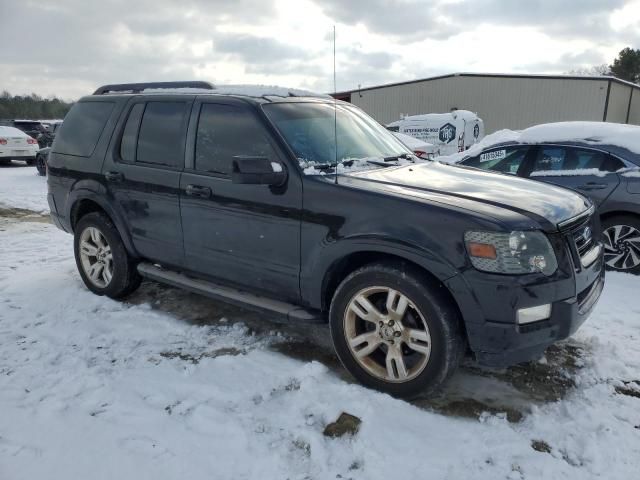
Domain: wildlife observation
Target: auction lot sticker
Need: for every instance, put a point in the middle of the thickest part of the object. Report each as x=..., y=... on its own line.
x=497, y=155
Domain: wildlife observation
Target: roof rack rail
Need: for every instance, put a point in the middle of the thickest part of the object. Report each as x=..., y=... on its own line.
x=139, y=87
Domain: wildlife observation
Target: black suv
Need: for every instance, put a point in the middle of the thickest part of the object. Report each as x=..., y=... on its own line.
x=307, y=209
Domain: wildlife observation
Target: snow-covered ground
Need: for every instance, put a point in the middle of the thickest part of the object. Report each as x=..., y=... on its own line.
x=169, y=385
x=21, y=187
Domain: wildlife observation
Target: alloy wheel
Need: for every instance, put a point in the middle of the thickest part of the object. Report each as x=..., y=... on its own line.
x=96, y=257
x=622, y=247
x=387, y=334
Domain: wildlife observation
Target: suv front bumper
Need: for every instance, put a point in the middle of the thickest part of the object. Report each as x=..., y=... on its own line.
x=489, y=305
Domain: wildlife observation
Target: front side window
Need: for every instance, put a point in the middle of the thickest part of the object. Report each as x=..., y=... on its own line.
x=226, y=131
x=321, y=133
x=505, y=160
x=162, y=134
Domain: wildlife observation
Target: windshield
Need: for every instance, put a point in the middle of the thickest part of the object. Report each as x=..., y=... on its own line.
x=361, y=142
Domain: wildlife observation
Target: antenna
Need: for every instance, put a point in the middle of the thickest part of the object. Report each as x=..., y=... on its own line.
x=335, y=107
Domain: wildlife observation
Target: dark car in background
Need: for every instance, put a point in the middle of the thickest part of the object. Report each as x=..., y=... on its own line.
x=596, y=159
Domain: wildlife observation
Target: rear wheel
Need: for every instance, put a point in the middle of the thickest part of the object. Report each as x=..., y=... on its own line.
x=621, y=237
x=102, y=259
x=394, y=331
x=31, y=162
x=41, y=165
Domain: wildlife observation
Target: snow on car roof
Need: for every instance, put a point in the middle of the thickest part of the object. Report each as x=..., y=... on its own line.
x=11, y=132
x=244, y=90
x=592, y=133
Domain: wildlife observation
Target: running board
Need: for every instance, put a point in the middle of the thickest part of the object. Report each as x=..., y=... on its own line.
x=285, y=311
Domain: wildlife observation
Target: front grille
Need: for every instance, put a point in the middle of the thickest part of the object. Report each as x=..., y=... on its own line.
x=583, y=241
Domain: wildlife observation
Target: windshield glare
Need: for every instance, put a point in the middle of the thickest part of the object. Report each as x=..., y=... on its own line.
x=308, y=128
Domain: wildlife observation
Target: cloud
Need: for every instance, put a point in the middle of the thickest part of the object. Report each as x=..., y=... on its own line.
x=69, y=47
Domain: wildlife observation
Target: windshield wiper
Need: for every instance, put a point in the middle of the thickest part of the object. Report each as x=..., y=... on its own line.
x=395, y=158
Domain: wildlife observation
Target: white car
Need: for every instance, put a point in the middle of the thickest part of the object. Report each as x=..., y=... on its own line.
x=421, y=148
x=17, y=145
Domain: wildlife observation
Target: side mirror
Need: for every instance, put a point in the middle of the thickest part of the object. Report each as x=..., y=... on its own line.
x=257, y=171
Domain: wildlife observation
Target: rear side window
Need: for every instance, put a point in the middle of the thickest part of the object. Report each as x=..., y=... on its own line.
x=553, y=158
x=162, y=134
x=225, y=131
x=82, y=128
x=505, y=160
x=130, y=134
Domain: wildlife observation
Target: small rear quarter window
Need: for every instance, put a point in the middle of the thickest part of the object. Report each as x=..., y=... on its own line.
x=82, y=128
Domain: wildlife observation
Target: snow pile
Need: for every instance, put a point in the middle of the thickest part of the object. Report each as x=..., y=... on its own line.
x=246, y=90
x=265, y=91
x=569, y=173
x=351, y=165
x=625, y=136
x=21, y=187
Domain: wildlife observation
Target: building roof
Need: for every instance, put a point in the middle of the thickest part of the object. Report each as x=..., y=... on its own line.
x=497, y=75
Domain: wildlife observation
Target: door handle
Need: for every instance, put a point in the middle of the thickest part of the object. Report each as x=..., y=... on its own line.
x=114, y=176
x=198, y=191
x=593, y=186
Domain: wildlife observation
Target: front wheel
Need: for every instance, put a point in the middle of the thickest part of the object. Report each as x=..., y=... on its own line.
x=102, y=259
x=394, y=330
x=621, y=237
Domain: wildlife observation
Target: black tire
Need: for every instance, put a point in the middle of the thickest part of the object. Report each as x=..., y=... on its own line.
x=5, y=161
x=627, y=252
x=31, y=162
x=41, y=165
x=125, y=278
x=442, y=319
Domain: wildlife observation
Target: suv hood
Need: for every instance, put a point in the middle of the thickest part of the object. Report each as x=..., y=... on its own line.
x=463, y=186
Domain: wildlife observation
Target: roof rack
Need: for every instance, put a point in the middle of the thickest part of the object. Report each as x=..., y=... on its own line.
x=139, y=87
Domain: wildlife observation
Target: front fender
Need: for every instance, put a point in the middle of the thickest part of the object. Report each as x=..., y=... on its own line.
x=314, y=278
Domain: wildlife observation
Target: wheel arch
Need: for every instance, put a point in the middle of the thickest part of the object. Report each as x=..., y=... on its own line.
x=344, y=266
x=87, y=201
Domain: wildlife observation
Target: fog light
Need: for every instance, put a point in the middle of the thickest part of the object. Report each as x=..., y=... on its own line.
x=533, y=314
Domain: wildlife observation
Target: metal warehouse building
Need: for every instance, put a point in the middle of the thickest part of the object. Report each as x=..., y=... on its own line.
x=504, y=101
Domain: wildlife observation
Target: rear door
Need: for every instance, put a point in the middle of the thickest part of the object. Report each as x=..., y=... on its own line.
x=142, y=174
x=245, y=235
x=588, y=171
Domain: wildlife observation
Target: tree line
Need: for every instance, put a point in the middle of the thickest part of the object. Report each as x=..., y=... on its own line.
x=625, y=67
x=33, y=107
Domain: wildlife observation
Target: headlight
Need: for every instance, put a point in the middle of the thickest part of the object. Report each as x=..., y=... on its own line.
x=514, y=253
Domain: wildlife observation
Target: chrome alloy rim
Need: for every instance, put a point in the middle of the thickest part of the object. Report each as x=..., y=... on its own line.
x=95, y=257
x=387, y=334
x=622, y=247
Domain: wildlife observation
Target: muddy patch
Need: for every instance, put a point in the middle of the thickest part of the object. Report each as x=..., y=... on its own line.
x=471, y=393
x=629, y=389
x=195, y=359
x=24, y=215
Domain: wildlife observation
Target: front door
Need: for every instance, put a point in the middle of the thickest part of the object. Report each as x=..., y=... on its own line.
x=142, y=173
x=246, y=235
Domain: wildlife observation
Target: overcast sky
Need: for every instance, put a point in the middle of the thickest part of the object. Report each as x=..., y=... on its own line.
x=69, y=47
